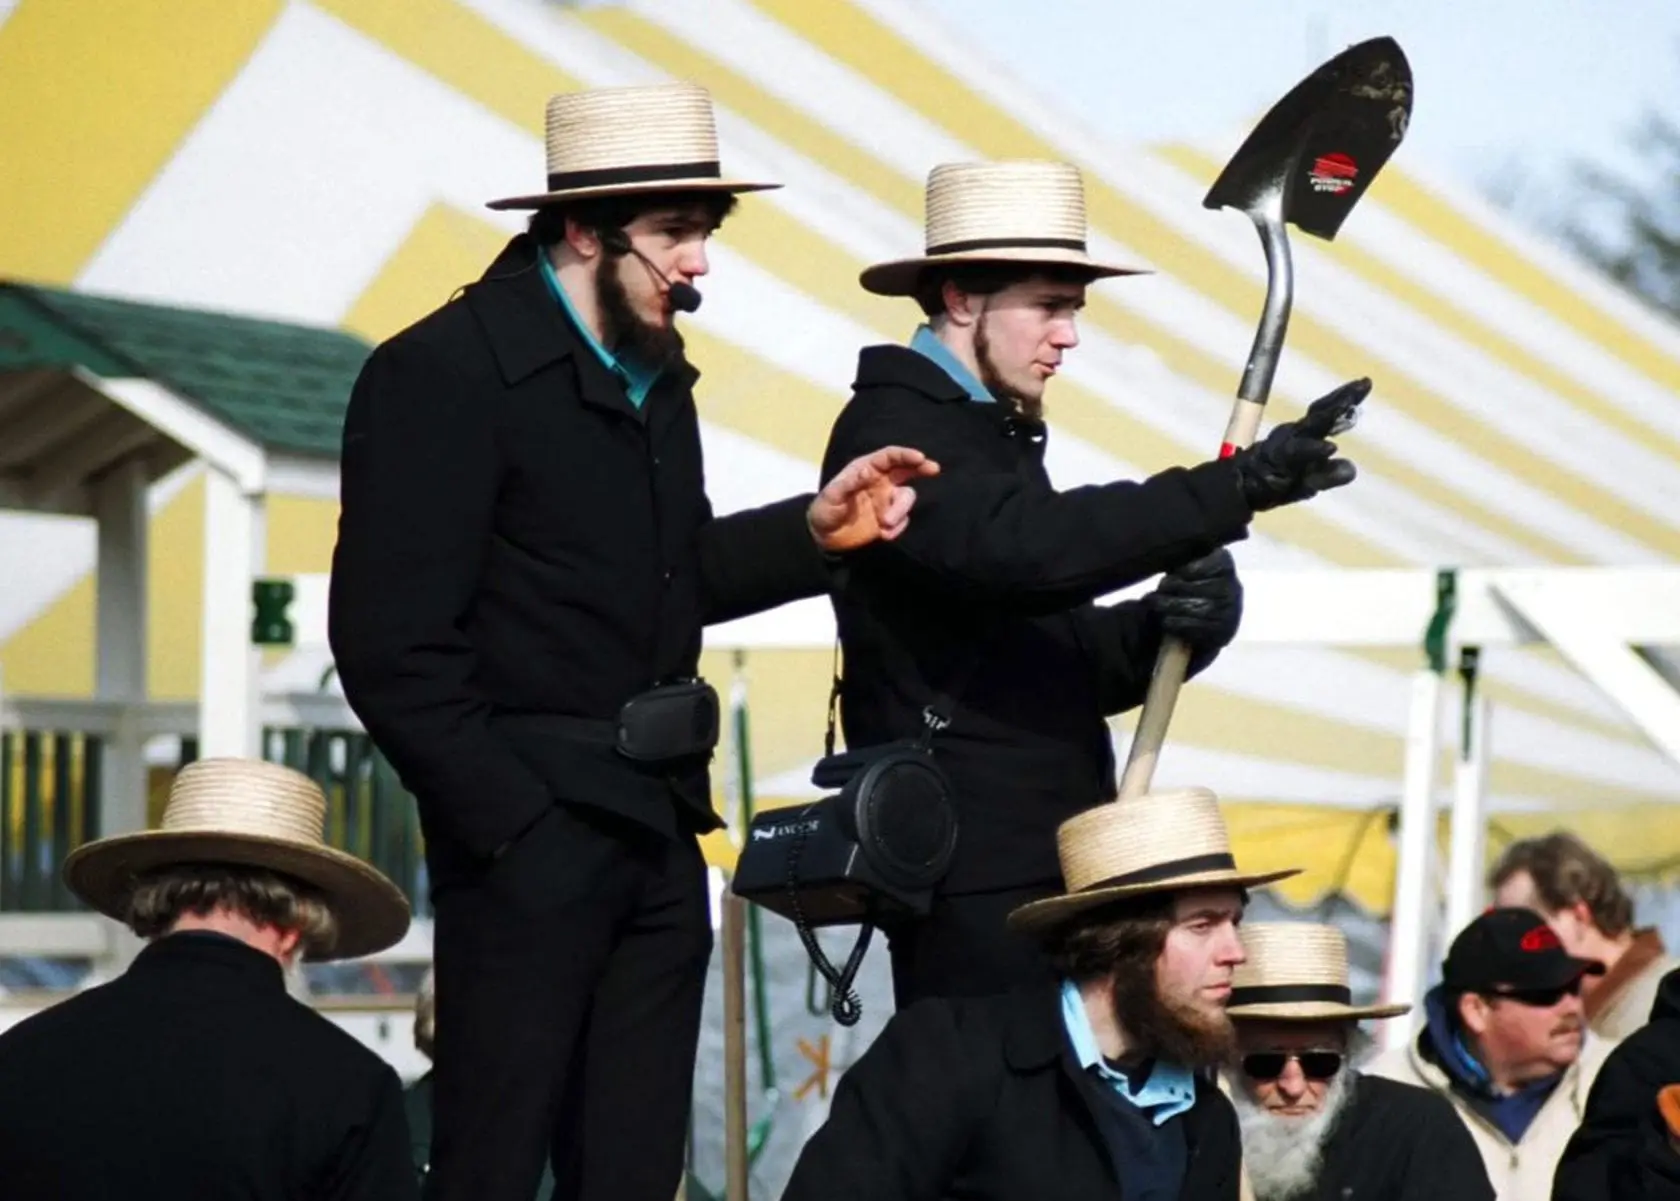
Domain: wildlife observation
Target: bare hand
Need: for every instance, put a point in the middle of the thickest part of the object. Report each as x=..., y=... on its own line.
x=868, y=499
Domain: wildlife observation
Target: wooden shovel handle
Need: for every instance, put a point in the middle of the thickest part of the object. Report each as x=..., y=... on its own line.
x=1173, y=662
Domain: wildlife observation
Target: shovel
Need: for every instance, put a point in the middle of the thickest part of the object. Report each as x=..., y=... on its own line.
x=1306, y=164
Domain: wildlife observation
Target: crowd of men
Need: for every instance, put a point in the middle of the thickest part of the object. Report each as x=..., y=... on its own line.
x=526, y=559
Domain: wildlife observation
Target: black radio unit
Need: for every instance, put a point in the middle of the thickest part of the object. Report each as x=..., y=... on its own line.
x=872, y=851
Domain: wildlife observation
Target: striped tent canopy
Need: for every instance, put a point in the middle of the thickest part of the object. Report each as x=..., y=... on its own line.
x=326, y=161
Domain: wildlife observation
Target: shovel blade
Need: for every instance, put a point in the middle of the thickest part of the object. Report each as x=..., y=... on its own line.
x=1313, y=155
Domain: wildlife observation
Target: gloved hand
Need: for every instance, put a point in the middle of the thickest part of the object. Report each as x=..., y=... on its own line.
x=1200, y=602
x=1296, y=460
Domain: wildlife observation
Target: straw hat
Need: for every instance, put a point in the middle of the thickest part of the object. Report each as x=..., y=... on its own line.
x=1159, y=842
x=1020, y=211
x=247, y=813
x=1297, y=971
x=619, y=141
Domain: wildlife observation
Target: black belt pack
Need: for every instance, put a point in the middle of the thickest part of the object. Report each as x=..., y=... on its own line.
x=676, y=720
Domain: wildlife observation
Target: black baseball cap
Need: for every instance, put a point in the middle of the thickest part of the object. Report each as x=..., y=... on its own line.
x=1511, y=951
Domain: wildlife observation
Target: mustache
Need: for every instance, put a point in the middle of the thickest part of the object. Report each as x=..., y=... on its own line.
x=1569, y=1025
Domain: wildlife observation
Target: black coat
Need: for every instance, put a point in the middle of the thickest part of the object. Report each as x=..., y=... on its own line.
x=1398, y=1142
x=519, y=542
x=981, y=1098
x=1621, y=1149
x=195, y=1074
x=999, y=568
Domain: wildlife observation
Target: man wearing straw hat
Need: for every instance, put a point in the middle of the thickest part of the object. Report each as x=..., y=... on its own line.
x=1093, y=1084
x=985, y=606
x=194, y=1073
x=526, y=558
x=1314, y=1129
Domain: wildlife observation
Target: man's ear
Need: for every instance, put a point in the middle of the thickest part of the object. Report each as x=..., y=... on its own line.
x=961, y=308
x=583, y=240
x=1473, y=1012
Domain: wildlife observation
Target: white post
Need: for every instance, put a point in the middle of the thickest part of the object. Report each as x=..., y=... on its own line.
x=120, y=655
x=229, y=663
x=1469, y=816
x=120, y=624
x=1409, y=923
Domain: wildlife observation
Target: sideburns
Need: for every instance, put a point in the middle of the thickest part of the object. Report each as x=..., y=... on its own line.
x=1030, y=407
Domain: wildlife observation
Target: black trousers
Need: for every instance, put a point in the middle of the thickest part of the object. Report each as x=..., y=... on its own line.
x=570, y=977
x=963, y=948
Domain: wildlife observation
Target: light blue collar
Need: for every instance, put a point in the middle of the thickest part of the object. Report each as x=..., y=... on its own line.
x=927, y=344
x=1169, y=1091
x=638, y=380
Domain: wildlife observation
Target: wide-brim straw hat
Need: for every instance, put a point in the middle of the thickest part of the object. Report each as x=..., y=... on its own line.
x=1297, y=971
x=1161, y=842
x=247, y=813
x=627, y=141
x=1017, y=211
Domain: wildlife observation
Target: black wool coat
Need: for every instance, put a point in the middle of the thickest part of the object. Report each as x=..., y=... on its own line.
x=994, y=578
x=195, y=1074
x=1398, y=1142
x=519, y=542
x=981, y=1099
x=1621, y=1149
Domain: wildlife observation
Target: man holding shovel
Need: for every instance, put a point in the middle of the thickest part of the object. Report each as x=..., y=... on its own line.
x=986, y=602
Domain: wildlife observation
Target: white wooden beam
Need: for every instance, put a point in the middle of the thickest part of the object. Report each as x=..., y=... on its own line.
x=229, y=663
x=1592, y=627
x=214, y=441
x=296, y=475
x=1466, y=854
x=1414, y=868
x=120, y=654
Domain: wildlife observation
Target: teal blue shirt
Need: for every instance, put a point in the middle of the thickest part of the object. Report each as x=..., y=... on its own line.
x=927, y=344
x=637, y=379
x=1168, y=1092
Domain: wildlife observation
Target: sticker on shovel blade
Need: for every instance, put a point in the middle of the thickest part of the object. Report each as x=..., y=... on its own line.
x=1333, y=173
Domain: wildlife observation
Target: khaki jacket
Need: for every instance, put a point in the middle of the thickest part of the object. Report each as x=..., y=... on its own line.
x=1521, y=1171
x=1622, y=1001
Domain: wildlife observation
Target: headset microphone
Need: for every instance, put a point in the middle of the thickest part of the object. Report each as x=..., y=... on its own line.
x=683, y=297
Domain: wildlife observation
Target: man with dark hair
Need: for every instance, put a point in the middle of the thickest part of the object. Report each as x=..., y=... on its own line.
x=1575, y=889
x=526, y=558
x=194, y=1074
x=985, y=606
x=1093, y=1083
x=1505, y=1042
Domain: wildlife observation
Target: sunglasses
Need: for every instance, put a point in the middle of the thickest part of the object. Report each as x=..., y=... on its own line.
x=1269, y=1065
x=1540, y=998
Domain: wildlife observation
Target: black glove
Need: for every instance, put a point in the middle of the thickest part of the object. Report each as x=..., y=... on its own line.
x=1201, y=602
x=1295, y=461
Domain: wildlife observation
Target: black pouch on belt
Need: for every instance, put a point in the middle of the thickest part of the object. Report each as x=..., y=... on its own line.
x=673, y=721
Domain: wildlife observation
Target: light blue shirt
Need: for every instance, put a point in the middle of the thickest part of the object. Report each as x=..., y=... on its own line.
x=1169, y=1091
x=927, y=344
x=638, y=380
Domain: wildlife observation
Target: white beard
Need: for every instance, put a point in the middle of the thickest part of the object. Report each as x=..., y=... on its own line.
x=1283, y=1155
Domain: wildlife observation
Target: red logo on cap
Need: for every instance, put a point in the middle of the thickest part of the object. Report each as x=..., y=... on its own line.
x=1541, y=938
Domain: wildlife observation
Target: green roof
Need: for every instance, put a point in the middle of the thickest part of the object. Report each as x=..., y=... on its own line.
x=283, y=386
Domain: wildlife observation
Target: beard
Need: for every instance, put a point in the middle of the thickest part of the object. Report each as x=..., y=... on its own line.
x=1283, y=1155
x=626, y=334
x=1030, y=407
x=1167, y=1028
